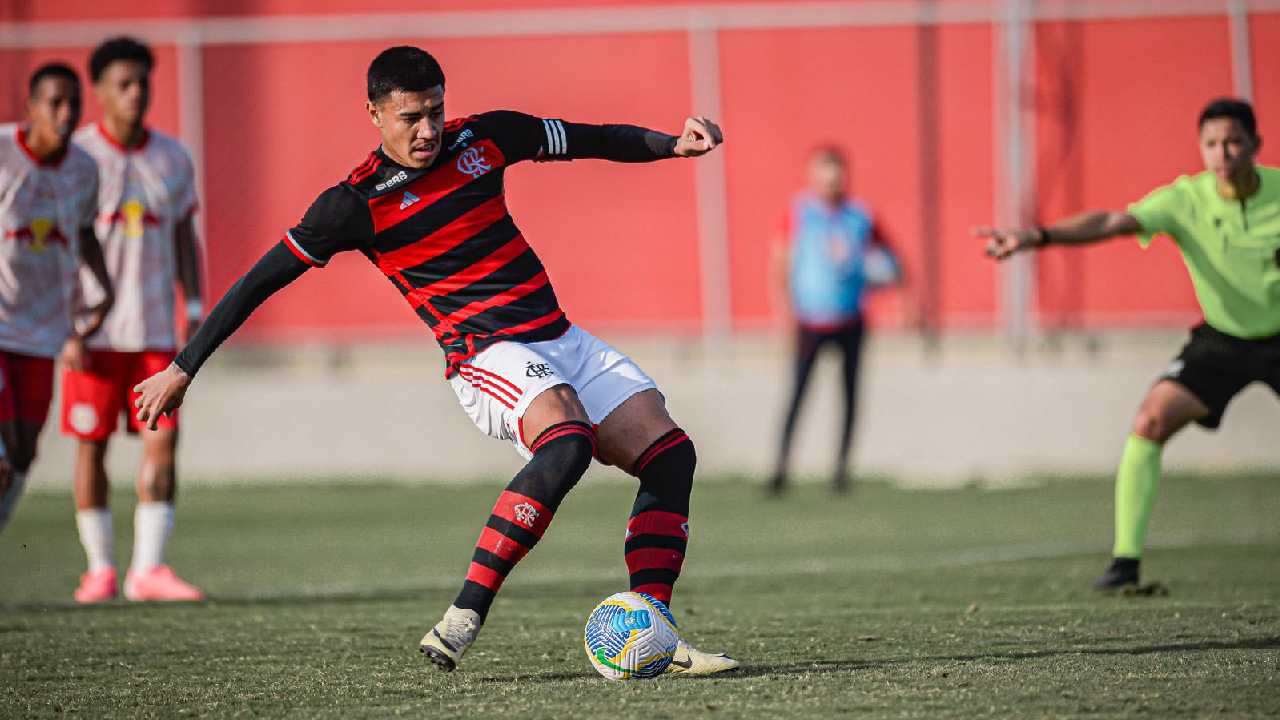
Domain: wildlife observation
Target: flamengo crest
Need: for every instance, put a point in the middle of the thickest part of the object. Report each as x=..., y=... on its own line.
x=472, y=162
x=526, y=514
x=538, y=370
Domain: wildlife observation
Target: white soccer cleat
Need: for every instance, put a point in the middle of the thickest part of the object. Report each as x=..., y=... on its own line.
x=692, y=661
x=445, y=643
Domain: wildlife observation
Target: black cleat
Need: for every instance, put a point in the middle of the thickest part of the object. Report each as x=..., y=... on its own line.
x=1122, y=573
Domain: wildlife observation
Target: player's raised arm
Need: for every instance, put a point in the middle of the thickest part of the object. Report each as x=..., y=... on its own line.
x=1081, y=229
x=539, y=139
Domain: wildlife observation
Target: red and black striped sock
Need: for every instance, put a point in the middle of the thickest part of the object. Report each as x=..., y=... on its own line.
x=658, y=531
x=561, y=455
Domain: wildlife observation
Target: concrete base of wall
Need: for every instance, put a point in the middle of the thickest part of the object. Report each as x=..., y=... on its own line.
x=971, y=412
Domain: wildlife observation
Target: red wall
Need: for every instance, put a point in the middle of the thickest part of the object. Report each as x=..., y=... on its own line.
x=1115, y=108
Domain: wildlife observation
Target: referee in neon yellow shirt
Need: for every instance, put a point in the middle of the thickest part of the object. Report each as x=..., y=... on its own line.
x=1226, y=223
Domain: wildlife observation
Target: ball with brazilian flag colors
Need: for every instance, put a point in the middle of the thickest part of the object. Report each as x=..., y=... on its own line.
x=631, y=636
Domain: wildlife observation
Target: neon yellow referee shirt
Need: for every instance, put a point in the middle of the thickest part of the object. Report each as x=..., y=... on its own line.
x=1231, y=248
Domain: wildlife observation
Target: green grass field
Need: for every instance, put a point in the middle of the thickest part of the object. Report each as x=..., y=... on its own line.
x=888, y=603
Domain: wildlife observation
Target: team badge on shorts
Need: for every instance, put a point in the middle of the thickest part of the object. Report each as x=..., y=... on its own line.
x=538, y=370
x=83, y=418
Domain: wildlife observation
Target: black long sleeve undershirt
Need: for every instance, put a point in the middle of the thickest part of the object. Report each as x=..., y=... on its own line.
x=277, y=268
x=619, y=143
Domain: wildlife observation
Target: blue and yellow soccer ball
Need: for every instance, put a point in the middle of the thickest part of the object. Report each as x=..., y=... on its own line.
x=631, y=636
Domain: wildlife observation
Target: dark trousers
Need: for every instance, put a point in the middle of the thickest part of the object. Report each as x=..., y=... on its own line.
x=809, y=342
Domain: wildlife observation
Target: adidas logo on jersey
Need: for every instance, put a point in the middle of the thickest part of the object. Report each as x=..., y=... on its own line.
x=409, y=199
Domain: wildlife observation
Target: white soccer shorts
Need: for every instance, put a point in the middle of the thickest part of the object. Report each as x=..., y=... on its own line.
x=497, y=386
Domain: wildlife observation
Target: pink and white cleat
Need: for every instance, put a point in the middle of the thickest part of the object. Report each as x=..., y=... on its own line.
x=159, y=583
x=97, y=586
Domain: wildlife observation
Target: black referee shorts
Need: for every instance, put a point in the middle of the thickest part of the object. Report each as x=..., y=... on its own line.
x=1215, y=366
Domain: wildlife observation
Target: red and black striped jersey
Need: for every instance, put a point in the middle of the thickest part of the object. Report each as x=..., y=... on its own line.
x=442, y=234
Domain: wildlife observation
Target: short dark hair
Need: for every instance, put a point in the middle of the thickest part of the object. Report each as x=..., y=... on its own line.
x=830, y=152
x=403, y=67
x=1239, y=110
x=116, y=49
x=51, y=70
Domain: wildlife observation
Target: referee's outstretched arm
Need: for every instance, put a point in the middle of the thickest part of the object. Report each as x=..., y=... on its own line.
x=1088, y=227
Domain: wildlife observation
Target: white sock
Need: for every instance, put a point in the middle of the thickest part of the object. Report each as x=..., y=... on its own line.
x=152, y=522
x=97, y=537
x=10, y=499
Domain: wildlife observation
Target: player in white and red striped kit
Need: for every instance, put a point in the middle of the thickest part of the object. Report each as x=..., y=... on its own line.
x=146, y=201
x=48, y=190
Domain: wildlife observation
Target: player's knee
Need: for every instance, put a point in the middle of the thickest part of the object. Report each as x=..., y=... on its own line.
x=573, y=454
x=672, y=470
x=561, y=455
x=1151, y=425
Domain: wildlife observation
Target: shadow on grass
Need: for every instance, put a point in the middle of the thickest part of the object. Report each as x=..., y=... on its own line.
x=826, y=667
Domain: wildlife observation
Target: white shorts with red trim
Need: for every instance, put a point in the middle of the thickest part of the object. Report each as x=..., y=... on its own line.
x=497, y=386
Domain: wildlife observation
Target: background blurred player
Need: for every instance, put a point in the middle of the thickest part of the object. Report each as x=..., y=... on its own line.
x=1226, y=223
x=429, y=209
x=831, y=253
x=48, y=192
x=146, y=201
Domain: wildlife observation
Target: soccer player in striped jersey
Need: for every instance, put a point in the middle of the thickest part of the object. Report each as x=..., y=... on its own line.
x=1226, y=223
x=48, y=193
x=427, y=208
x=146, y=202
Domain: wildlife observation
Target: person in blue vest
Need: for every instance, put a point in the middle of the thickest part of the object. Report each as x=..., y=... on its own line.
x=834, y=253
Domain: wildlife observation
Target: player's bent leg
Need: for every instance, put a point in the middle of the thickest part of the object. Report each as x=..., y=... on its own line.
x=149, y=577
x=1167, y=408
x=641, y=436
x=562, y=450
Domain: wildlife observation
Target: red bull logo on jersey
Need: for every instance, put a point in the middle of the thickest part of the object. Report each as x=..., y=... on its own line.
x=135, y=217
x=39, y=235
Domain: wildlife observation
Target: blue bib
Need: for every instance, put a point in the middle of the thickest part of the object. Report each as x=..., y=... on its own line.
x=828, y=250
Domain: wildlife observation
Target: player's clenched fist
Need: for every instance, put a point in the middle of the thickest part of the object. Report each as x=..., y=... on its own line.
x=700, y=135
x=160, y=394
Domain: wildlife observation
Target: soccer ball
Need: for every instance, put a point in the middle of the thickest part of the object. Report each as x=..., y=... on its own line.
x=631, y=635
